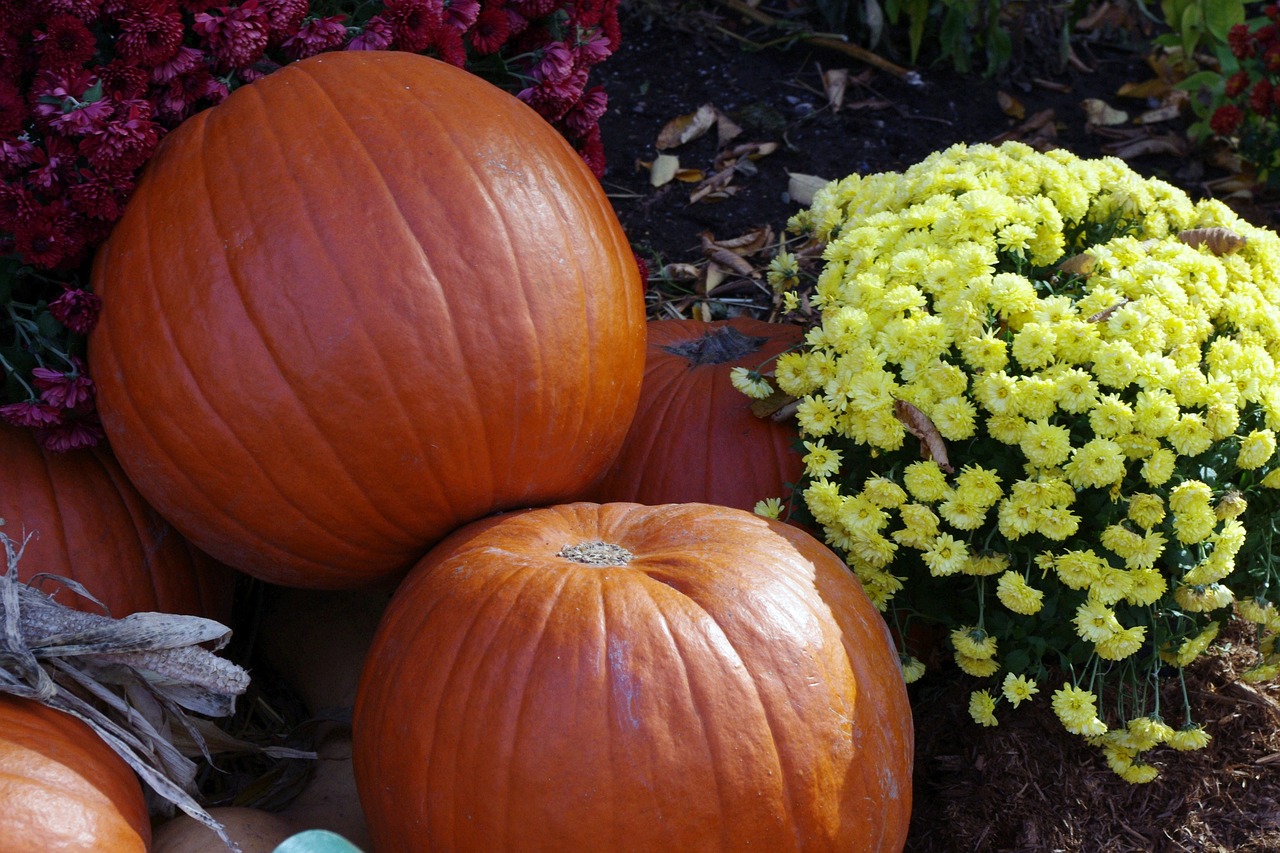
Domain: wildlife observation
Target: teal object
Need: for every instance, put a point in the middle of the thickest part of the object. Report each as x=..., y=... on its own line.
x=316, y=841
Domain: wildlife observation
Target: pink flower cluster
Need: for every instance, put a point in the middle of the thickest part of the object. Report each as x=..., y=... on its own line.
x=89, y=87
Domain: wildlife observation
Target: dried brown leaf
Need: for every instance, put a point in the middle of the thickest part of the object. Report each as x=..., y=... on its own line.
x=773, y=404
x=731, y=261
x=918, y=424
x=835, y=82
x=680, y=272
x=1219, y=240
x=727, y=129
x=1105, y=314
x=686, y=128
x=1081, y=264
x=748, y=243
x=1144, y=145
x=690, y=176
x=1098, y=112
x=1010, y=105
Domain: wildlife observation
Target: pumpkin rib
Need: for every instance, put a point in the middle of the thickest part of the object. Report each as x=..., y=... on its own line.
x=306, y=416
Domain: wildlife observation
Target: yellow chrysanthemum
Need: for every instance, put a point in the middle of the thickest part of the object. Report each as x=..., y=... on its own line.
x=769, y=507
x=1077, y=709
x=977, y=667
x=982, y=707
x=1016, y=594
x=1255, y=449
x=1018, y=688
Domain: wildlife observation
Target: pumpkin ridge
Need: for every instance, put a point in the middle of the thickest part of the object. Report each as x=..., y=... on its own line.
x=338, y=461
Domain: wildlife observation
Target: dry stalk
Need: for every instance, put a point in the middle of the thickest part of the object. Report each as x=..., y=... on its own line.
x=132, y=680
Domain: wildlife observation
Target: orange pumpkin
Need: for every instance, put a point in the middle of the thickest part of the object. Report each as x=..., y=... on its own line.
x=62, y=788
x=694, y=437
x=622, y=677
x=366, y=299
x=92, y=526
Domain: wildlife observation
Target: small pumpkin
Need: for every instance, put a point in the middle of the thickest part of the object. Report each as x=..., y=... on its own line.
x=694, y=437
x=92, y=526
x=366, y=299
x=617, y=676
x=62, y=788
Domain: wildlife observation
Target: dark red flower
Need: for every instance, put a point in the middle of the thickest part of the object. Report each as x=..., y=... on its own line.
x=1226, y=120
x=449, y=46
x=1271, y=57
x=377, y=35
x=1236, y=84
x=50, y=239
x=316, y=36
x=235, y=36
x=13, y=109
x=491, y=30
x=81, y=117
x=183, y=61
x=65, y=42
x=1260, y=98
x=586, y=113
x=67, y=390
x=461, y=14
x=553, y=99
x=593, y=49
x=30, y=413
x=592, y=150
x=150, y=32
x=555, y=63
x=1240, y=41
x=77, y=309
x=100, y=196
x=182, y=94
x=535, y=8
x=284, y=17
x=414, y=23
x=17, y=207
x=85, y=10
x=53, y=164
x=126, y=140
x=123, y=80
x=75, y=434
x=56, y=90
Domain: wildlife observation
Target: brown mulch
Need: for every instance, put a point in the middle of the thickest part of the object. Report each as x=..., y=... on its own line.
x=1028, y=785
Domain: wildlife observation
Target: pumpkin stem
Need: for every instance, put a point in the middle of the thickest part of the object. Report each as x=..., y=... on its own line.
x=723, y=345
x=596, y=554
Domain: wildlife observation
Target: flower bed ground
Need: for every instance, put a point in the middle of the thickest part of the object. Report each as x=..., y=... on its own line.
x=1026, y=784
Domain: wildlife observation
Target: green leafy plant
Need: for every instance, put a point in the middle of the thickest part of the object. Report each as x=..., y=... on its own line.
x=1040, y=408
x=1198, y=25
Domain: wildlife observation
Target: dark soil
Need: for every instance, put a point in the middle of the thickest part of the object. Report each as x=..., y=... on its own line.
x=1027, y=785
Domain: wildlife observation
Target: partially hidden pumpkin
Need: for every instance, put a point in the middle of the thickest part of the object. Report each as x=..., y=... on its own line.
x=694, y=437
x=62, y=788
x=623, y=677
x=366, y=299
x=89, y=524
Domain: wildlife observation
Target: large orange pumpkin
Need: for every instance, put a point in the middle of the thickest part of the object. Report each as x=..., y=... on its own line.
x=62, y=788
x=622, y=677
x=366, y=299
x=694, y=436
x=92, y=526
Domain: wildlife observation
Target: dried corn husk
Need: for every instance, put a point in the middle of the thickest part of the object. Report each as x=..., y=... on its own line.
x=131, y=680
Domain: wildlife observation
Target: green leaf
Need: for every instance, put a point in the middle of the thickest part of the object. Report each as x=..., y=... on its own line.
x=1192, y=28
x=1221, y=15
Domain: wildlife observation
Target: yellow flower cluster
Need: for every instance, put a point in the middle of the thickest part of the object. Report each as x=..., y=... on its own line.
x=1041, y=369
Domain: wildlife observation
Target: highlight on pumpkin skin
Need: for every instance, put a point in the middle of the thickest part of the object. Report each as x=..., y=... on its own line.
x=730, y=675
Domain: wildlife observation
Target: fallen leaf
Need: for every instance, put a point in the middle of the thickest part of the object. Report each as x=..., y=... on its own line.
x=731, y=261
x=834, y=83
x=1138, y=147
x=1168, y=112
x=773, y=404
x=663, y=170
x=1081, y=264
x=686, y=128
x=1105, y=314
x=1010, y=105
x=690, y=176
x=800, y=187
x=726, y=129
x=1099, y=112
x=749, y=243
x=918, y=424
x=1219, y=240
x=680, y=272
